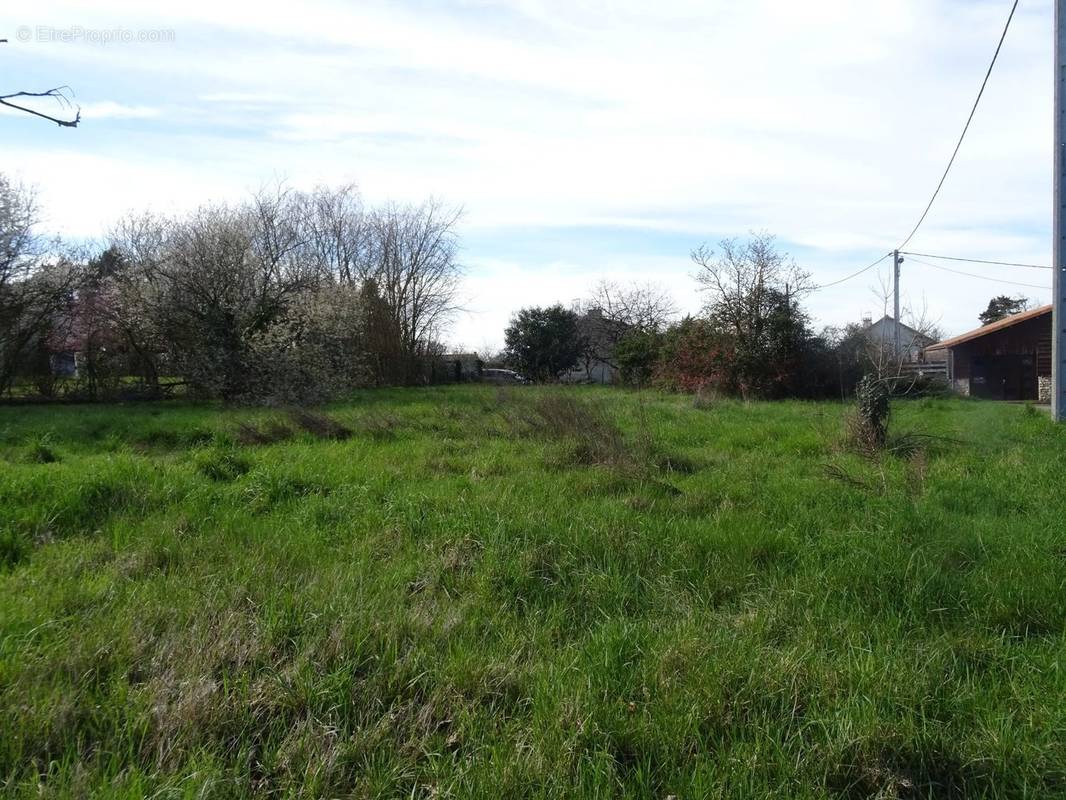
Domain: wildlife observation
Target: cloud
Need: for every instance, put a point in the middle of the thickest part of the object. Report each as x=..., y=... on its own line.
x=107, y=109
x=827, y=123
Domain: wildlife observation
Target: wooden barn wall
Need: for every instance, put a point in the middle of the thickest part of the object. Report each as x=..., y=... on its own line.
x=961, y=366
x=1029, y=338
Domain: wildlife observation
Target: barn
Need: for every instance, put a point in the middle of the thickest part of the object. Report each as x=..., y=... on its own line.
x=1005, y=360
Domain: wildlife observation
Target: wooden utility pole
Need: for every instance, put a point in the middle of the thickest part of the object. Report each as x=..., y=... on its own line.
x=1058, y=288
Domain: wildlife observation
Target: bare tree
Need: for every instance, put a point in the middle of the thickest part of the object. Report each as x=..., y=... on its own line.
x=612, y=311
x=642, y=306
x=59, y=94
x=747, y=280
x=413, y=270
x=20, y=244
x=281, y=238
x=753, y=293
x=339, y=234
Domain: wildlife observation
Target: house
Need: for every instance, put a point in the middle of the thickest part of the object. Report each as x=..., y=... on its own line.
x=462, y=366
x=1005, y=360
x=64, y=364
x=590, y=369
x=600, y=335
x=882, y=335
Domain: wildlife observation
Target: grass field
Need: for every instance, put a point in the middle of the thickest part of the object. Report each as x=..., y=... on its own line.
x=528, y=594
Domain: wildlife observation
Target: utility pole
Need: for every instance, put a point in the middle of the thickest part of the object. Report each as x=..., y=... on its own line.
x=1058, y=286
x=896, y=261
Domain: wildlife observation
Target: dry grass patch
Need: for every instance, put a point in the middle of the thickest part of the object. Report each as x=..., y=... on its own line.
x=271, y=432
x=381, y=425
x=319, y=425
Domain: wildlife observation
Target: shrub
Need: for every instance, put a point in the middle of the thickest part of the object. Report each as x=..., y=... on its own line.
x=752, y=292
x=594, y=438
x=637, y=354
x=544, y=342
x=920, y=386
x=872, y=410
x=14, y=548
x=39, y=450
x=586, y=426
x=312, y=352
x=691, y=358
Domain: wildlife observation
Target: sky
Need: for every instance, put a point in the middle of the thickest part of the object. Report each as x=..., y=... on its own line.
x=583, y=139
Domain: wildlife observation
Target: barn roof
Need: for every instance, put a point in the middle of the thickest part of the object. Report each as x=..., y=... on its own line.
x=992, y=327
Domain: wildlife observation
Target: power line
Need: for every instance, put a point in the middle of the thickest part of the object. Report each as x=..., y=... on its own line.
x=852, y=275
x=965, y=128
x=974, y=275
x=978, y=261
x=943, y=179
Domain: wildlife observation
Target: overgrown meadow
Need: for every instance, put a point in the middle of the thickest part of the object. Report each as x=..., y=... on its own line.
x=542, y=593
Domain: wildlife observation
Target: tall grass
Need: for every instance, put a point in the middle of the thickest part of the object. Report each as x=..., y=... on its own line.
x=531, y=594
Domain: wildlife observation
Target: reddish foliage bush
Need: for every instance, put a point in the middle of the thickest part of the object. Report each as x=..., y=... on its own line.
x=693, y=358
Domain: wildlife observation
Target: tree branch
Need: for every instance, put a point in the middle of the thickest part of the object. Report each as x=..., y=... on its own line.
x=56, y=94
x=63, y=123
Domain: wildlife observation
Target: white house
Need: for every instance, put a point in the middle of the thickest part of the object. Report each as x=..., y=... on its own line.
x=882, y=334
x=600, y=335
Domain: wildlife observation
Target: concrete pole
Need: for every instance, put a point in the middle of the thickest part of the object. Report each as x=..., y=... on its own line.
x=895, y=295
x=1058, y=289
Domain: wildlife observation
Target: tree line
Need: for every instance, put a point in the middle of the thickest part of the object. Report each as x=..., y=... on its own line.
x=296, y=297
x=752, y=338
x=285, y=297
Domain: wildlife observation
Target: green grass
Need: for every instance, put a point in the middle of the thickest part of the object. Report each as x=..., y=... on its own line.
x=459, y=596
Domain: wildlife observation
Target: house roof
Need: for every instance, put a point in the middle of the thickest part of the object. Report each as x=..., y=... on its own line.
x=992, y=327
x=916, y=336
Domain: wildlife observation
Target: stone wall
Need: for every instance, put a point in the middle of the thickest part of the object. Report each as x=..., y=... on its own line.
x=1043, y=392
x=962, y=386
